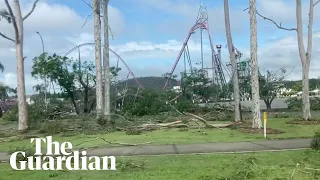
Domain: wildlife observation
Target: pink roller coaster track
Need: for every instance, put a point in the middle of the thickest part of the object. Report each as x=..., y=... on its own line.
x=201, y=23
x=194, y=27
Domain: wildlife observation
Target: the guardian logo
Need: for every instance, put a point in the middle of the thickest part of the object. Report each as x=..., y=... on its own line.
x=60, y=159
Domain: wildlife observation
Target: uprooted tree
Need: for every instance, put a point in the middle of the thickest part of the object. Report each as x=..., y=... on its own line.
x=15, y=18
x=305, y=54
x=76, y=79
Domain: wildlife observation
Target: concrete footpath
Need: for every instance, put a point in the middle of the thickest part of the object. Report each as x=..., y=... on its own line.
x=232, y=147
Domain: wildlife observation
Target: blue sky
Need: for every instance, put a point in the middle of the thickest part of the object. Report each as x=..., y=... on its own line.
x=149, y=33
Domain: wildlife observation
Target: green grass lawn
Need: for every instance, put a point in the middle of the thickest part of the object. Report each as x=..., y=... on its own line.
x=174, y=136
x=271, y=165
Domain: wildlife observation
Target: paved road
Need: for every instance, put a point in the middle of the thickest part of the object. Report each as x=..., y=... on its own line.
x=237, y=147
x=278, y=103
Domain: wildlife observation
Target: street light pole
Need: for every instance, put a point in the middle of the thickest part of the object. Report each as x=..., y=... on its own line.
x=45, y=78
x=41, y=42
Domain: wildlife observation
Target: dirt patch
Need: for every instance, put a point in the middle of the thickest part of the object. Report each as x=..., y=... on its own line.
x=260, y=131
x=304, y=122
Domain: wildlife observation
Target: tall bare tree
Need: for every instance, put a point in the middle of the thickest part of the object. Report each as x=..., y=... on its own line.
x=305, y=54
x=235, y=80
x=16, y=19
x=106, y=63
x=256, y=122
x=97, y=41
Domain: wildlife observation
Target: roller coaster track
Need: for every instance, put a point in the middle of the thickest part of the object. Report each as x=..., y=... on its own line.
x=218, y=77
x=116, y=54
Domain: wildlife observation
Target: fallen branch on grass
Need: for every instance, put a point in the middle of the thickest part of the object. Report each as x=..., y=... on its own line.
x=202, y=120
x=312, y=169
x=155, y=126
x=179, y=124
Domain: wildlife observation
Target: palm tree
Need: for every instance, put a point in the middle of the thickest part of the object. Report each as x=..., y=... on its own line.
x=5, y=91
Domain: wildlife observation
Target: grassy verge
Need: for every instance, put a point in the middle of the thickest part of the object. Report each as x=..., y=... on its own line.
x=175, y=136
x=272, y=165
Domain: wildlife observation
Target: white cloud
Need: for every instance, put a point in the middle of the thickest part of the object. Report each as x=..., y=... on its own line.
x=284, y=53
x=10, y=79
x=281, y=11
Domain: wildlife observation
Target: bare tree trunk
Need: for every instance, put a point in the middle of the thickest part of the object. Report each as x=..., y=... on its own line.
x=97, y=42
x=305, y=92
x=235, y=80
x=106, y=61
x=22, y=104
x=256, y=122
x=305, y=56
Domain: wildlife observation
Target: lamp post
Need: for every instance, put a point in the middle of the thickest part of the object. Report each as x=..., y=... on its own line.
x=45, y=78
x=41, y=42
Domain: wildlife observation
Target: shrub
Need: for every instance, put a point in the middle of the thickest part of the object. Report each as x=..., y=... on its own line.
x=281, y=115
x=315, y=142
x=36, y=114
x=185, y=106
x=11, y=115
x=52, y=127
x=28, y=150
x=150, y=103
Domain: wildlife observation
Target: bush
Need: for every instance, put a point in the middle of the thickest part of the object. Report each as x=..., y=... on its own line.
x=11, y=115
x=315, y=142
x=185, y=106
x=36, y=114
x=281, y=115
x=52, y=127
x=28, y=150
x=295, y=104
x=150, y=103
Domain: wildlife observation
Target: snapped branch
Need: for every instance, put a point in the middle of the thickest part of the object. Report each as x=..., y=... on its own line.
x=317, y=2
x=87, y=3
x=31, y=11
x=276, y=24
x=85, y=22
x=6, y=37
x=15, y=27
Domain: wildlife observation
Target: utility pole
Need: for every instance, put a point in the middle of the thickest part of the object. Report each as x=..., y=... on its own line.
x=106, y=62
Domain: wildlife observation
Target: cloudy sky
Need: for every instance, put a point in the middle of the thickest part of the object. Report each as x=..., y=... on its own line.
x=148, y=34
